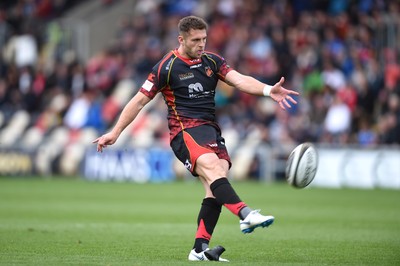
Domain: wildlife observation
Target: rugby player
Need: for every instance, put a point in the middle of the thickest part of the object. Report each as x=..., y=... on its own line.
x=187, y=78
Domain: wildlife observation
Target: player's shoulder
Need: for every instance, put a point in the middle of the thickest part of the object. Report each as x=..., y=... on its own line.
x=164, y=64
x=166, y=59
x=213, y=56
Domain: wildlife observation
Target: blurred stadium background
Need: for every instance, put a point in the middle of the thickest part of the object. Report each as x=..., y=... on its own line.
x=67, y=67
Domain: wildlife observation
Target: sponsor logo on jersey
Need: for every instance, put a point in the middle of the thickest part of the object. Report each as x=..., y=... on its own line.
x=186, y=76
x=196, y=90
x=192, y=61
x=213, y=145
x=196, y=66
x=168, y=64
x=209, y=71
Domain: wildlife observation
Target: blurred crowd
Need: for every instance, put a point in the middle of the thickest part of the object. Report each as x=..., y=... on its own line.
x=341, y=55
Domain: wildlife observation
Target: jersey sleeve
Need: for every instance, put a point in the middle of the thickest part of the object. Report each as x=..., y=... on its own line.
x=223, y=70
x=157, y=79
x=150, y=88
x=222, y=66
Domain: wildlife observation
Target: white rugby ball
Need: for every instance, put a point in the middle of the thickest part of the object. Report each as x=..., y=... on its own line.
x=301, y=165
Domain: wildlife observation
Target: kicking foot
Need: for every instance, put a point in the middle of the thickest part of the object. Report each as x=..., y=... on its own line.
x=254, y=220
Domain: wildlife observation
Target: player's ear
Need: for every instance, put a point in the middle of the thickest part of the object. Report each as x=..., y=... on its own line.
x=180, y=39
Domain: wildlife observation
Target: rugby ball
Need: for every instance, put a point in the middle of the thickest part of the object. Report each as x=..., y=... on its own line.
x=301, y=165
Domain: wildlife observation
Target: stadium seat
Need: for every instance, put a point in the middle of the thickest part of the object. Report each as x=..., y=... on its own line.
x=32, y=138
x=15, y=128
x=70, y=159
x=123, y=92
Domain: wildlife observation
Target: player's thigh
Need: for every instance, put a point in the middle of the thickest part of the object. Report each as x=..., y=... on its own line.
x=193, y=143
x=210, y=167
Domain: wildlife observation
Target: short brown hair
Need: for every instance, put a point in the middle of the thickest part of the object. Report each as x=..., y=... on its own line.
x=191, y=22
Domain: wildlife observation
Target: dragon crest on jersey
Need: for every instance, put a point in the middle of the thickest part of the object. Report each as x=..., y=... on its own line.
x=209, y=71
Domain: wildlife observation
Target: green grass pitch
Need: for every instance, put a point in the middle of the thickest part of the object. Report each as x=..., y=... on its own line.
x=75, y=222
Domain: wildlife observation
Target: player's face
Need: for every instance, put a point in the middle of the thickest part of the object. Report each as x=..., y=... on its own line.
x=193, y=43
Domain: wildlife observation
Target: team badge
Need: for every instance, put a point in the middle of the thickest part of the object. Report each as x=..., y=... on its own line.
x=209, y=71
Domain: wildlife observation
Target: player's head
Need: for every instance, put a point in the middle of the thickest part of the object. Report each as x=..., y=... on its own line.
x=192, y=36
x=191, y=23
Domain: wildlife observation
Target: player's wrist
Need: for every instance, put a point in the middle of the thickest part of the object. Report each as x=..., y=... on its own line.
x=267, y=90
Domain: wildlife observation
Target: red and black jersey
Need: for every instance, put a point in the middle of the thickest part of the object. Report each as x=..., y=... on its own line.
x=188, y=87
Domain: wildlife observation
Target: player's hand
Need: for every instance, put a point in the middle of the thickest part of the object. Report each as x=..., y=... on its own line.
x=282, y=95
x=105, y=140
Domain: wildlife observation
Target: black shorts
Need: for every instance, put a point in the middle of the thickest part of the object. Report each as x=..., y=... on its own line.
x=189, y=144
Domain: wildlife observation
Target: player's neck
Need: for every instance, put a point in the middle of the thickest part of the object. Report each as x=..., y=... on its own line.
x=182, y=53
x=187, y=59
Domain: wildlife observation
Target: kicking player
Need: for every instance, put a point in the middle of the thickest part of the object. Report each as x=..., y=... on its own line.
x=187, y=78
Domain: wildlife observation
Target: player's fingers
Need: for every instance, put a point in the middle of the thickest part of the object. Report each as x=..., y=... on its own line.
x=294, y=92
x=281, y=105
x=291, y=99
x=100, y=147
x=286, y=103
x=100, y=143
x=282, y=80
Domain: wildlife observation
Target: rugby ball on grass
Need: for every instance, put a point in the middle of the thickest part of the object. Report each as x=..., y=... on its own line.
x=301, y=165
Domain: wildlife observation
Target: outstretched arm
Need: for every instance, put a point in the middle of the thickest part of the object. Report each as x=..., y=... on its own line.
x=251, y=85
x=128, y=114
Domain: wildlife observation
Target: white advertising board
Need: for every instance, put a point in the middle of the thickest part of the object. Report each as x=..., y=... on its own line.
x=355, y=168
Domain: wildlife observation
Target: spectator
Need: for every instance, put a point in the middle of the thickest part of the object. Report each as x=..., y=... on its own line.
x=326, y=49
x=338, y=122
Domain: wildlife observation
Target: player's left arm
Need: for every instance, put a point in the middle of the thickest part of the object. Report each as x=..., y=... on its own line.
x=128, y=114
x=253, y=86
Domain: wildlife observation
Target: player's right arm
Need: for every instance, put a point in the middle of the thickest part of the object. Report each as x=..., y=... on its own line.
x=128, y=114
x=155, y=81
